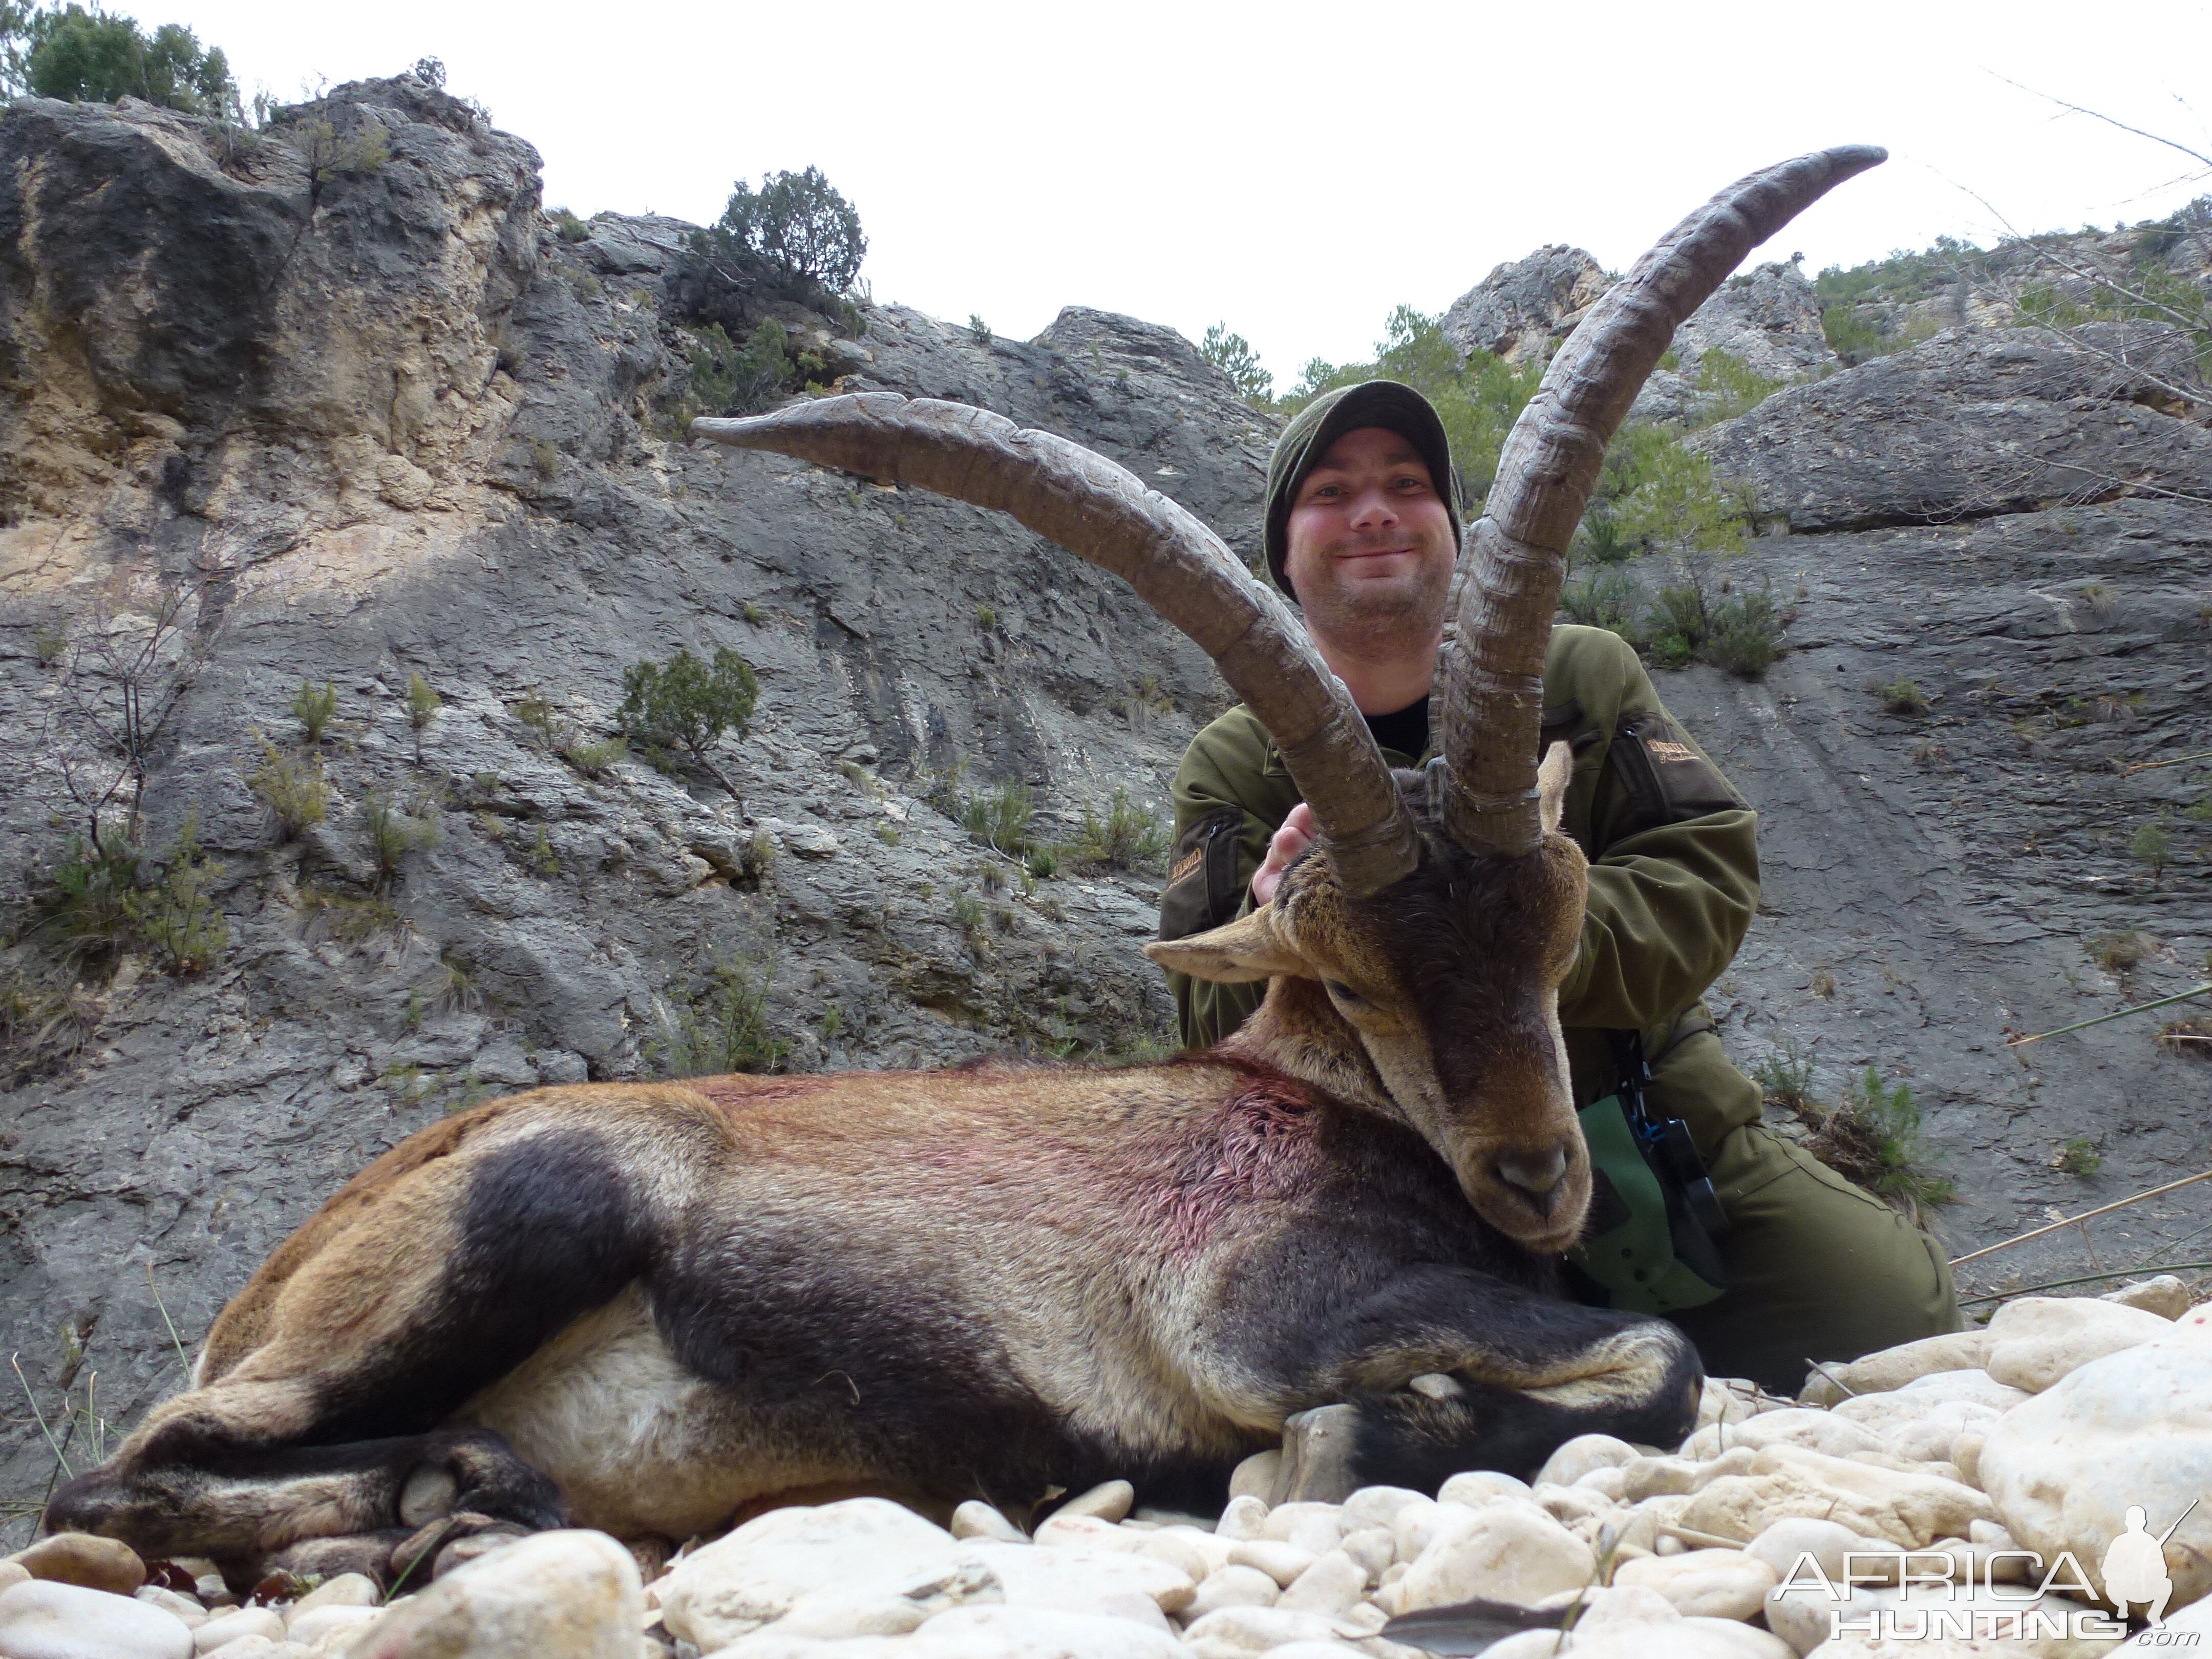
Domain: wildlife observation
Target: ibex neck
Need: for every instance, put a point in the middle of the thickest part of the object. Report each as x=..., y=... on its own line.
x=1297, y=1032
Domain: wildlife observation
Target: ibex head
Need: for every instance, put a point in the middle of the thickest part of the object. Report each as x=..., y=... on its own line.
x=1418, y=949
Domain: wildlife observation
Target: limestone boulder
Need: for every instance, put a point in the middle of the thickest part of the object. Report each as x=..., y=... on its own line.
x=1893, y=1368
x=573, y=1593
x=1708, y=1583
x=1505, y=1552
x=2037, y=1340
x=2133, y=1429
x=1788, y=1482
x=45, y=1619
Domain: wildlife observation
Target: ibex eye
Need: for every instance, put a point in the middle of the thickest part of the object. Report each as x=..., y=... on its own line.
x=1343, y=993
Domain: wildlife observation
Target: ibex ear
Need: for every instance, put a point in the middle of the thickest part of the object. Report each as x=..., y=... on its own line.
x=1553, y=778
x=1251, y=948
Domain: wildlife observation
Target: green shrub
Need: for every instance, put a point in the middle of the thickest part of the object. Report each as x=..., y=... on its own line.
x=1728, y=386
x=1656, y=495
x=1040, y=864
x=729, y=379
x=979, y=329
x=545, y=458
x=1852, y=334
x=1000, y=819
x=1605, y=598
x=1786, y=1077
x=596, y=760
x=95, y=56
x=720, y=1026
x=683, y=704
x=1743, y=635
x=293, y=790
x=174, y=914
x=89, y=906
x=2079, y=1158
x=313, y=710
x=1902, y=697
x=1873, y=1137
x=1130, y=837
x=395, y=831
x=1233, y=355
x=986, y=618
x=567, y=225
x=796, y=230
x=2152, y=844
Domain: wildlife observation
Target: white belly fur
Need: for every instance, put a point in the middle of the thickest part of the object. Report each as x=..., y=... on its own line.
x=639, y=1445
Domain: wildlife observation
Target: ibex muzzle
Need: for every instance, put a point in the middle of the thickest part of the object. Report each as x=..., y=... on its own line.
x=647, y=1307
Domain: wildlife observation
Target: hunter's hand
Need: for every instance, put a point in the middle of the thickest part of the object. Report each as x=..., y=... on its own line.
x=1292, y=839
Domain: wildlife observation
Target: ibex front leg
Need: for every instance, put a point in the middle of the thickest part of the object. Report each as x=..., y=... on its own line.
x=1524, y=1373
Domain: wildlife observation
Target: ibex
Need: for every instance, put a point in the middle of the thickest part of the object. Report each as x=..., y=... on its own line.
x=646, y=1307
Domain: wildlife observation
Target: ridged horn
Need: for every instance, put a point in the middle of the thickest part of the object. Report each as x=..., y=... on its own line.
x=1492, y=682
x=1104, y=514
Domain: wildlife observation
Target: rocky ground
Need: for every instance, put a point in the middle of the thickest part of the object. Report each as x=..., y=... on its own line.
x=1994, y=1457
x=359, y=407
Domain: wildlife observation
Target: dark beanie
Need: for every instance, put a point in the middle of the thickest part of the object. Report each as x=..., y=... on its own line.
x=1386, y=404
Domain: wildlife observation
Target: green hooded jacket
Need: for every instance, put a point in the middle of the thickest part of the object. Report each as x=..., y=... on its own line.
x=1673, y=873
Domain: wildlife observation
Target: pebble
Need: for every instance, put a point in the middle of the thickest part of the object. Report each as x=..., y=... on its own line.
x=229, y=1627
x=1815, y=1430
x=1191, y=1554
x=1332, y=1585
x=263, y=1647
x=1246, y=1517
x=1234, y=1587
x=1279, y=1561
x=1009, y=1632
x=12, y=1575
x=1893, y=1368
x=1787, y=1542
x=2165, y=1295
x=573, y=1593
x=45, y=1619
x=1258, y=1475
x=1506, y=1552
x=1317, y=1528
x=317, y=1624
x=184, y=1607
x=1109, y=1500
x=976, y=1519
x=1707, y=1584
x=85, y=1560
x=1378, y=1506
x=1119, y=1584
x=2037, y=1340
x=1373, y=1547
x=347, y=1590
x=1905, y=1508
x=1235, y=1632
x=1581, y=1455
x=2134, y=1428
x=1478, y=1487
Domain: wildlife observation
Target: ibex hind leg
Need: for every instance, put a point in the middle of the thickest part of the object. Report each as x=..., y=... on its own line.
x=329, y=1428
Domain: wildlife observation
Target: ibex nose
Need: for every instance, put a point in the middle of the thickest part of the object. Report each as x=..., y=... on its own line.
x=1535, y=1173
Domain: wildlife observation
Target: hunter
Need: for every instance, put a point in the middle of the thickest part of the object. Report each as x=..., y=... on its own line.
x=1778, y=1261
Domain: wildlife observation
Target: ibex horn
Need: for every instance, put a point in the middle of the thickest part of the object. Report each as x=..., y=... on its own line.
x=1492, y=682
x=1104, y=514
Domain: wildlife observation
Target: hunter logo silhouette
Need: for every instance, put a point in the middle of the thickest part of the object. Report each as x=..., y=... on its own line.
x=2135, y=1565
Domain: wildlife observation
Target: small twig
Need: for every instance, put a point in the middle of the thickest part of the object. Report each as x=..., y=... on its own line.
x=166, y=1319
x=16, y=1360
x=2087, y=1215
x=2153, y=766
x=2083, y=1025
x=1711, y=1540
x=2080, y=1279
x=2099, y=115
x=1821, y=1366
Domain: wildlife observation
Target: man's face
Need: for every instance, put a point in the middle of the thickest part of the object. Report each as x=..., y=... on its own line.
x=1371, y=550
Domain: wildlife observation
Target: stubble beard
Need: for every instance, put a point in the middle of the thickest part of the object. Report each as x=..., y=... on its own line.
x=1378, y=620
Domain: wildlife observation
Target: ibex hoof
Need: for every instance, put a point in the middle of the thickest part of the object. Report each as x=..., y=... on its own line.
x=1317, y=1453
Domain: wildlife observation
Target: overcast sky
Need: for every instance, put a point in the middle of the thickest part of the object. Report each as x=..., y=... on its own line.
x=1297, y=171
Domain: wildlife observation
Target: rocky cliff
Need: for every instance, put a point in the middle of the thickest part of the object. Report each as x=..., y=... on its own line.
x=336, y=403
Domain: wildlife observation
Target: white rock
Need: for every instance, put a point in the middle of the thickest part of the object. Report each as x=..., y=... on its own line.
x=1816, y=1431
x=1893, y=1368
x=1507, y=1551
x=45, y=1620
x=263, y=1647
x=1016, y=1632
x=1784, y=1544
x=1331, y=1585
x=976, y=1519
x=754, y=1575
x=1378, y=1506
x=347, y=1590
x=1413, y=1525
x=185, y=1606
x=1906, y=1508
x=1279, y=1561
x=1583, y=1454
x=1610, y=1484
x=1235, y=1632
x=1314, y=1651
x=1245, y=1517
x=573, y=1593
x=2165, y=1295
x=1731, y=1640
x=1803, y=1615
x=1703, y=1584
x=2134, y=1428
x=1315, y=1526
x=1568, y=1504
x=2195, y=1619
x=317, y=1624
x=1373, y=1547
x=2037, y=1340
x=1186, y=1550
x=1085, y=1532
x=1731, y=1400
x=1109, y=1500
x=1234, y=1587
x=1976, y=1385
x=1257, y=1476
x=1117, y=1583
x=1612, y=1607
x=229, y=1627
x=1477, y=1486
